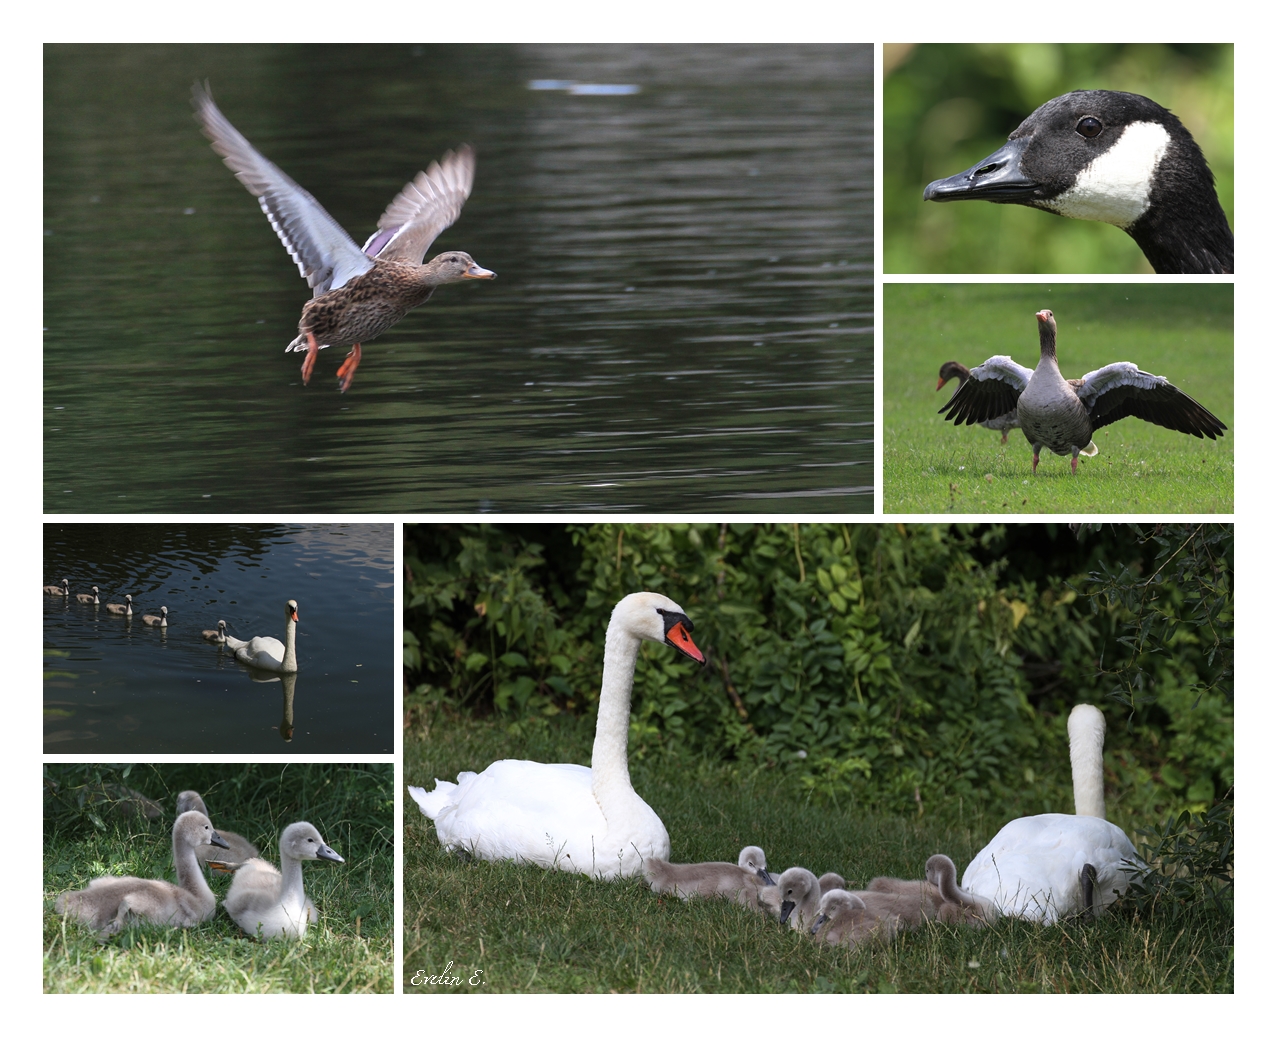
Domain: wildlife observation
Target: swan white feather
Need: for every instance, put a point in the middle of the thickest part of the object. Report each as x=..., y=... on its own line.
x=563, y=815
x=268, y=653
x=1033, y=867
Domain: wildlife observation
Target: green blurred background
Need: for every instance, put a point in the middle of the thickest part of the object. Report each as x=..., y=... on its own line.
x=947, y=106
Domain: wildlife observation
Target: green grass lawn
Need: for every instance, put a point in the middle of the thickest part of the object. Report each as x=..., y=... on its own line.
x=1183, y=331
x=519, y=928
x=350, y=950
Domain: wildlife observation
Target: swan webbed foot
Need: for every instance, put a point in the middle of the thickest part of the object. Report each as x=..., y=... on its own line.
x=346, y=373
x=312, y=350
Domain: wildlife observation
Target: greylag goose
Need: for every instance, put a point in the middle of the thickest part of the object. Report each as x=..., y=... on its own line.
x=235, y=848
x=358, y=293
x=121, y=610
x=268, y=653
x=89, y=599
x=1060, y=415
x=1114, y=157
x=1051, y=866
x=1003, y=423
x=217, y=636
x=110, y=903
x=157, y=621
x=62, y=589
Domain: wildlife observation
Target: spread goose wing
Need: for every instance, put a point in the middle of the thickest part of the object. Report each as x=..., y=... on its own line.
x=323, y=252
x=1122, y=390
x=992, y=390
x=428, y=204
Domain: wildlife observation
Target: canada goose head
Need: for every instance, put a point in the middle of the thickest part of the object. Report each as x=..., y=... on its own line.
x=302, y=842
x=1114, y=157
x=654, y=617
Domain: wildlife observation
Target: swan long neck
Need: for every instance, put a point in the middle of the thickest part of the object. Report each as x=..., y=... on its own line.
x=291, y=894
x=290, y=646
x=1086, y=752
x=190, y=876
x=609, y=762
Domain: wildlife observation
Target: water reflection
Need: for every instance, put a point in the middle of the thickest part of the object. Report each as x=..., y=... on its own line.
x=683, y=322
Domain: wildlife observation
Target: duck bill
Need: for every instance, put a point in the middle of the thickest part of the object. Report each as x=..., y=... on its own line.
x=678, y=636
x=998, y=178
x=478, y=273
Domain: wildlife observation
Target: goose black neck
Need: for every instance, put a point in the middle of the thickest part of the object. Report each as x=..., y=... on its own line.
x=1184, y=230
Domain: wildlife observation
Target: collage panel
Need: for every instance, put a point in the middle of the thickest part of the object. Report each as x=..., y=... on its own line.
x=1137, y=136
x=1084, y=398
x=650, y=285
x=146, y=892
x=213, y=638
x=817, y=757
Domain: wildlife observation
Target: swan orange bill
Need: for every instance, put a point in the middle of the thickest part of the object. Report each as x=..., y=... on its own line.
x=678, y=636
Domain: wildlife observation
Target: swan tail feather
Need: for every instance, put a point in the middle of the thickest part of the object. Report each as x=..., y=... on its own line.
x=432, y=803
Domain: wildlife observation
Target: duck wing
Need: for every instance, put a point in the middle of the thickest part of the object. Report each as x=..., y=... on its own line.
x=324, y=253
x=428, y=205
x=1122, y=390
x=992, y=391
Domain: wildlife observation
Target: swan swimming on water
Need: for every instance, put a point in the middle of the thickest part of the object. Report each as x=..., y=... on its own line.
x=563, y=815
x=267, y=653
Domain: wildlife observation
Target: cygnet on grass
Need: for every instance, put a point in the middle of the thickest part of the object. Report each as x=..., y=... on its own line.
x=740, y=882
x=844, y=918
x=794, y=899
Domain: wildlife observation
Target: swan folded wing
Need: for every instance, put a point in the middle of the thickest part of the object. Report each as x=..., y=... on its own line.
x=992, y=391
x=324, y=253
x=427, y=205
x=260, y=651
x=1122, y=390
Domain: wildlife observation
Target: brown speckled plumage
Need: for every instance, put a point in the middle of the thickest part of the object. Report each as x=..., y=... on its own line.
x=358, y=293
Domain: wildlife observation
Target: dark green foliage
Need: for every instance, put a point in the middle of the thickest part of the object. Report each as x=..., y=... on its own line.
x=916, y=667
x=1190, y=865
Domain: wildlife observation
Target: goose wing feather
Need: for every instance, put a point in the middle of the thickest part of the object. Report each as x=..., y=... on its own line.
x=424, y=209
x=324, y=253
x=1122, y=390
x=991, y=392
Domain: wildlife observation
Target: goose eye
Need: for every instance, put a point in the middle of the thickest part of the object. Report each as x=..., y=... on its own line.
x=1089, y=126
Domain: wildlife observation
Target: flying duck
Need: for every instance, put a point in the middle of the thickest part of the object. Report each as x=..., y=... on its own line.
x=358, y=293
x=1061, y=414
x=1114, y=157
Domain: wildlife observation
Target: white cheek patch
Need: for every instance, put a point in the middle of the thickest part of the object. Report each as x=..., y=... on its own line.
x=1115, y=188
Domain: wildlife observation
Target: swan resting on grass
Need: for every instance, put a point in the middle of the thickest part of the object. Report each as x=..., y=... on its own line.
x=110, y=903
x=271, y=905
x=562, y=815
x=1051, y=866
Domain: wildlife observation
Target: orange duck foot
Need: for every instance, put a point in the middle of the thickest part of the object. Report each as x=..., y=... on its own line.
x=346, y=373
x=312, y=350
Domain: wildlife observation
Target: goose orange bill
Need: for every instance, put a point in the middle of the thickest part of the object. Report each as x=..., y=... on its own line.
x=678, y=636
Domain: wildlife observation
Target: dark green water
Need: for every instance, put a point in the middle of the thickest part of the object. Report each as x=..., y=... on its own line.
x=682, y=322
x=115, y=685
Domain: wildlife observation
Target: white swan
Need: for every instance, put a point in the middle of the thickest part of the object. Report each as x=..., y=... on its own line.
x=267, y=904
x=740, y=882
x=795, y=899
x=562, y=815
x=88, y=599
x=236, y=849
x=110, y=903
x=62, y=590
x=1049, y=866
x=157, y=621
x=266, y=653
x=121, y=610
x=218, y=636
